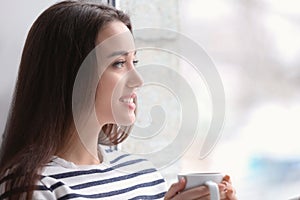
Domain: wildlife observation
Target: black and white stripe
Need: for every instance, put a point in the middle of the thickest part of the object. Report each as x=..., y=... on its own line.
x=120, y=176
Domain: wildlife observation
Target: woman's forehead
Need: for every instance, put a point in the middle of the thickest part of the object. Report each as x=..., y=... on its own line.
x=115, y=46
x=111, y=29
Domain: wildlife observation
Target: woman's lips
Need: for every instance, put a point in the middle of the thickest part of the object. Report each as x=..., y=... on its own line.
x=129, y=100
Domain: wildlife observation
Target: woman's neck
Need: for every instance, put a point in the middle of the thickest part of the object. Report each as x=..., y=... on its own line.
x=80, y=155
x=81, y=151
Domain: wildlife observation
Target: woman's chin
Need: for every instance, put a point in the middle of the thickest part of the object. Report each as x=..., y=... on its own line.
x=126, y=120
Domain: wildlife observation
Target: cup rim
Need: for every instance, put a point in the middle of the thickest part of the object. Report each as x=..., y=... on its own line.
x=200, y=173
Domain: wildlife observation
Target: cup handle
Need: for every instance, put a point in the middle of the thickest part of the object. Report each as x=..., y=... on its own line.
x=213, y=190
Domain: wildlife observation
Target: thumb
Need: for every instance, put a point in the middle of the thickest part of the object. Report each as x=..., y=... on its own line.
x=175, y=188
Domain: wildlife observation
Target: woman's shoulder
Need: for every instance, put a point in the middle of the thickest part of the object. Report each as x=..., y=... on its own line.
x=120, y=176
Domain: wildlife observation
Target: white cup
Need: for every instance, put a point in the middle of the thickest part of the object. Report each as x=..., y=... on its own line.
x=210, y=179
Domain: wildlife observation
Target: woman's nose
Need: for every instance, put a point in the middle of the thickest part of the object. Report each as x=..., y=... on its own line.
x=134, y=79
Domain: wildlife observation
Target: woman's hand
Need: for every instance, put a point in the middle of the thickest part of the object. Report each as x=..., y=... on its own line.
x=230, y=191
x=175, y=192
x=227, y=192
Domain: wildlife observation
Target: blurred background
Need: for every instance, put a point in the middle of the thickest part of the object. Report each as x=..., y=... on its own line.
x=255, y=46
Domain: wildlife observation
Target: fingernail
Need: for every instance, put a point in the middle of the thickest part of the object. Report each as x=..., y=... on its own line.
x=182, y=180
x=226, y=178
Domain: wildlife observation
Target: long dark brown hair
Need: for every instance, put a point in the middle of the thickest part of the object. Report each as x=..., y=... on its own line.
x=41, y=110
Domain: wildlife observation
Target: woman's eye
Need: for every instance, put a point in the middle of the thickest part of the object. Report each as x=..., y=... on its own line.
x=135, y=62
x=119, y=64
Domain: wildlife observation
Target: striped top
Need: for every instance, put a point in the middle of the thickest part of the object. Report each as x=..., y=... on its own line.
x=120, y=176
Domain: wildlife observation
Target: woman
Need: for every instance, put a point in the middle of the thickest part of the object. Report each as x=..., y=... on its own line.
x=50, y=146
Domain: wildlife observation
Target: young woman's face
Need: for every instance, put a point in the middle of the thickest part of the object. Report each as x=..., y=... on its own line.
x=119, y=79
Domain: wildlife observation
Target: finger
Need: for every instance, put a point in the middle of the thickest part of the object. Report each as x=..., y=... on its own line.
x=223, y=186
x=175, y=188
x=231, y=195
x=223, y=195
x=223, y=190
x=229, y=187
x=201, y=192
x=230, y=191
x=207, y=197
x=227, y=178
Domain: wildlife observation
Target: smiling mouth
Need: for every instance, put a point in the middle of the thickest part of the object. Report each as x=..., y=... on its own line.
x=129, y=101
x=126, y=100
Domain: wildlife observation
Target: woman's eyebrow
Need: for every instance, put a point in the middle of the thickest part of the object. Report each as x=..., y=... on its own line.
x=119, y=53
